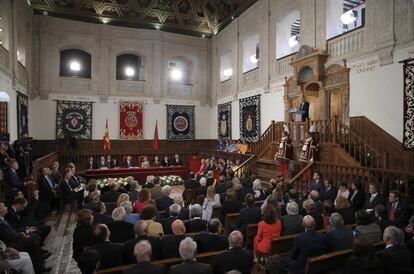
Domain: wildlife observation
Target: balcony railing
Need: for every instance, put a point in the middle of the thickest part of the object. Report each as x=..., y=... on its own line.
x=75, y=84
x=131, y=86
x=181, y=90
x=282, y=66
x=225, y=87
x=250, y=77
x=346, y=44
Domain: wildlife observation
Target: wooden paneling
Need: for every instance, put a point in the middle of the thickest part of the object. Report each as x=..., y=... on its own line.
x=378, y=138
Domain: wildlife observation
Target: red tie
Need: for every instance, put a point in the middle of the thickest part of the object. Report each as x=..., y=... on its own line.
x=392, y=212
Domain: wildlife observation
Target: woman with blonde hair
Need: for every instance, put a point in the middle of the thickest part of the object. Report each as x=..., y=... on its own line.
x=212, y=199
x=122, y=198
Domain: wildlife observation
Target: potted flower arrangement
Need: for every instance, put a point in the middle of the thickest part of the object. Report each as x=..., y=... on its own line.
x=101, y=183
x=171, y=180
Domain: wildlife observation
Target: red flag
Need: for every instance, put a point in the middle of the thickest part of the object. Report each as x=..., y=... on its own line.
x=155, y=144
x=106, y=143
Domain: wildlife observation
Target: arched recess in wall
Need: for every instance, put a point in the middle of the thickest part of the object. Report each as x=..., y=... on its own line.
x=226, y=65
x=343, y=16
x=180, y=70
x=288, y=34
x=130, y=67
x=75, y=62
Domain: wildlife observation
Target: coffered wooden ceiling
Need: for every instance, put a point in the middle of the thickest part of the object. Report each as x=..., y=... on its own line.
x=193, y=17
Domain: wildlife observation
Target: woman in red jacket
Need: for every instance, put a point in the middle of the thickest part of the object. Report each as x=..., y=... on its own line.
x=268, y=229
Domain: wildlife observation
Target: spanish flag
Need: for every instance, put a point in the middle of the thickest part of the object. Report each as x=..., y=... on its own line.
x=106, y=143
x=155, y=144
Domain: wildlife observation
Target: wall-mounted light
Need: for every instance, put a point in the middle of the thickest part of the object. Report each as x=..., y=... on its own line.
x=349, y=17
x=294, y=41
x=228, y=72
x=1, y=29
x=4, y=97
x=176, y=74
x=75, y=66
x=253, y=59
x=130, y=72
x=105, y=20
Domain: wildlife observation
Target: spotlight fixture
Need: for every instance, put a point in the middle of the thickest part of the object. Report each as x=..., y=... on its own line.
x=4, y=97
x=75, y=66
x=253, y=59
x=130, y=72
x=294, y=40
x=1, y=29
x=45, y=13
x=157, y=27
x=203, y=35
x=349, y=17
x=1, y=42
x=105, y=20
x=176, y=74
x=228, y=72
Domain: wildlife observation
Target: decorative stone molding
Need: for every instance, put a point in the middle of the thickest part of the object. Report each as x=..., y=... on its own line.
x=386, y=57
x=103, y=98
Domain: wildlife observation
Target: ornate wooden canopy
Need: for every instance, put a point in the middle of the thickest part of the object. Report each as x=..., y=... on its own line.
x=194, y=17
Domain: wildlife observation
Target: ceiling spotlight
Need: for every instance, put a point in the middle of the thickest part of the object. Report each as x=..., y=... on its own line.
x=203, y=35
x=176, y=74
x=349, y=17
x=45, y=13
x=253, y=59
x=158, y=27
x=1, y=42
x=294, y=40
x=228, y=72
x=130, y=72
x=232, y=17
x=105, y=20
x=75, y=66
x=4, y=97
x=1, y=29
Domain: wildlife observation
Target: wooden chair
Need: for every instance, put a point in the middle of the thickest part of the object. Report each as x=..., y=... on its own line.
x=216, y=212
x=251, y=231
x=232, y=220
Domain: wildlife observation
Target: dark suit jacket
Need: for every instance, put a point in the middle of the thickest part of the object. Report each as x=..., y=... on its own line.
x=249, y=215
x=329, y=194
x=358, y=201
x=316, y=186
x=82, y=237
x=133, y=195
x=396, y=259
x=99, y=218
x=175, y=163
x=235, y=258
x=102, y=165
x=401, y=214
x=347, y=214
x=166, y=224
x=111, y=196
x=221, y=188
x=110, y=254
x=340, y=238
x=121, y=231
x=292, y=224
x=211, y=242
x=191, y=184
x=45, y=191
x=67, y=194
x=129, y=246
x=379, y=199
x=127, y=165
x=164, y=203
x=170, y=244
x=13, y=218
x=145, y=267
x=90, y=165
x=164, y=163
x=8, y=234
x=13, y=179
x=189, y=266
x=229, y=207
x=304, y=106
x=196, y=225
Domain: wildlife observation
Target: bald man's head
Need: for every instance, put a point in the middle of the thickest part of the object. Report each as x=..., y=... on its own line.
x=236, y=239
x=309, y=222
x=178, y=228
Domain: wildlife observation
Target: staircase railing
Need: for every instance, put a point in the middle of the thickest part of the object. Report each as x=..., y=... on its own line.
x=247, y=168
x=301, y=180
x=273, y=133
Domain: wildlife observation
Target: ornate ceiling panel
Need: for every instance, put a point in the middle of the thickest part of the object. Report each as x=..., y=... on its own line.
x=194, y=17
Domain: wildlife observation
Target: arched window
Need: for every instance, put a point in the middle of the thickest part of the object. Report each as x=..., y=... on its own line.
x=75, y=63
x=343, y=16
x=180, y=70
x=288, y=34
x=130, y=67
x=251, y=53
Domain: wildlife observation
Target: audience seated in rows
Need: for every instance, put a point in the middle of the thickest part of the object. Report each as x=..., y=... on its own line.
x=292, y=222
x=121, y=230
x=268, y=229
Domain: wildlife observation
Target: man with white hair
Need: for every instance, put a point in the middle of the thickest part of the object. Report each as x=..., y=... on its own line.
x=141, y=233
x=165, y=201
x=121, y=231
x=142, y=253
x=341, y=237
x=131, y=218
x=196, y=224
x=292, y=222
x=172, y=242
x=236, y=258
x=174, y=210
x=202, y=189
x=188, y=248
x=395, y=257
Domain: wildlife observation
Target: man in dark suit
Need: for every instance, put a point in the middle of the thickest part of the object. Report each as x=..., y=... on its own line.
x=308, y=243
x=177, y=160
x=141, y=234
x=166, y=223
x=165, y=201
x=91, y=163
x=142, y=252
x=292, y=222
x=304, y=107
x=213, y=240
x=357, y=197
x=128, y=162
x=395, y=257
x=100, y=216
x=111, y=196
x=341, y=237
x=170, y=243
x=251, y=214
x=196, y=224
x=11, y=176
x=109, y=162
x=188, y=248
x=22, y=242
x=48, y=189
x=67, y=192
x=111, y=254
x=329, y=191
x=398, y=212
x=121, y=231
x=165, y=162
x=102, y=163
x=236, y=258
x=373, y=198
x=191, y=183
x=316, y=183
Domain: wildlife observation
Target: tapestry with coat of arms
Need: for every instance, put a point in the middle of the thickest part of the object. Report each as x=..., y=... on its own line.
x=224, y=121
x=250, y=118
x=408, y=133
x=130, y=124
x=73, y=120
x=22, y=114
x=180, y=122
